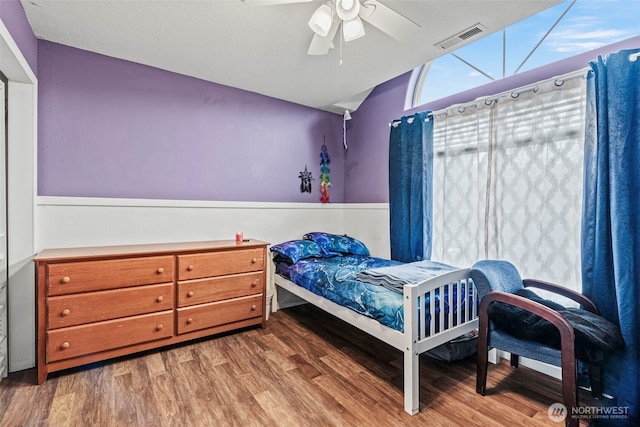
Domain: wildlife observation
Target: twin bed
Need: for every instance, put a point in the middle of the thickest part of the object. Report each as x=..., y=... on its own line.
x=413, y=307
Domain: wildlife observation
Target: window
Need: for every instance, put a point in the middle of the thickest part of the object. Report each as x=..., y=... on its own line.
x=507, y=180
x=568, y=29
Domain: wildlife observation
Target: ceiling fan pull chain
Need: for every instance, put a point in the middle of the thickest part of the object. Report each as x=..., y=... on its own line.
x=340, y=31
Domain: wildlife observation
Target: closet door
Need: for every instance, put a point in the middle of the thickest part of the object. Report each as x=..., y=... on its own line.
x=3, y=232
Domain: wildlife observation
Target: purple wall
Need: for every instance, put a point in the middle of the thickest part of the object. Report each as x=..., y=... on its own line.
x=367, y=162
x=113, y=128
x=13, y=16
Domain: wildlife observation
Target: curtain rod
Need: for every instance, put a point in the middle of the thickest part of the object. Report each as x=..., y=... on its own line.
x=514, y=93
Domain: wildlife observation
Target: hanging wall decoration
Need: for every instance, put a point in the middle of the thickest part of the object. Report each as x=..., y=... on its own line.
x=325, y=181
x=305, y=180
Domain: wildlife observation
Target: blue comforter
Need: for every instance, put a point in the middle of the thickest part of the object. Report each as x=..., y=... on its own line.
x=335, y=279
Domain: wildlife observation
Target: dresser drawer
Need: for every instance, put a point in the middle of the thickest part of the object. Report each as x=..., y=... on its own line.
x=70, y=310
x=86, y=339
x=196, y=266
x=73, y=277
x=219, y=313
x=201, y=291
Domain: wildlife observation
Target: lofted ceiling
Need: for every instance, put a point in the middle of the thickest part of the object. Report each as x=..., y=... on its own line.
x=263, y=48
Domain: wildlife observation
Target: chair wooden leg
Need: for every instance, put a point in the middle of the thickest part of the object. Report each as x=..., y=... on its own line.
x=595, y=379
x=570, y=390
x=515, y=360
x=482, y=361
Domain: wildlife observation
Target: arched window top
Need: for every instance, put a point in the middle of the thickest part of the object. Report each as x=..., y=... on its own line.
x=565, y=30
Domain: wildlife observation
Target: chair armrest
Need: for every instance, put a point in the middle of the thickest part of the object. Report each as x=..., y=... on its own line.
x=560, y=290
x=567, y=337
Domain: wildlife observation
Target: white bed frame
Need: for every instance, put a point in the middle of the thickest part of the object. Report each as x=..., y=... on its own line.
x=410, y=342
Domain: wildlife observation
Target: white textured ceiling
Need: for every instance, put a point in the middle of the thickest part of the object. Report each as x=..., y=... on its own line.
x=261, y=48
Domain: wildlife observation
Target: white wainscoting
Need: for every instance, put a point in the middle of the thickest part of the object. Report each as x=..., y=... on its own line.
x=76, y=222
x=79, y=221
x=369, y=222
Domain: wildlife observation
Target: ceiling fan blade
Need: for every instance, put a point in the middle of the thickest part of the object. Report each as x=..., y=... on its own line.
x=272, y=2
x=321, y=45
x=388, y=20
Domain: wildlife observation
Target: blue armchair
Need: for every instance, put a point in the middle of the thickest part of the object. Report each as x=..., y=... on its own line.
x=500, y=282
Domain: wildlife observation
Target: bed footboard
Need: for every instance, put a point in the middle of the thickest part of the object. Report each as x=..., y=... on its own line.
x=422, y=331
x=436, y=311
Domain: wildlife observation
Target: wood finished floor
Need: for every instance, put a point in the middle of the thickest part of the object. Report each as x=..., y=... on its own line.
x=304, y=369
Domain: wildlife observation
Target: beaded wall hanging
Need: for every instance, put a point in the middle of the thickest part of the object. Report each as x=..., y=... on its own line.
x=325, y=181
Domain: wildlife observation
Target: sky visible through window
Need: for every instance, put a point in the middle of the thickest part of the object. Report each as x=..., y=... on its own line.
x=587, y=25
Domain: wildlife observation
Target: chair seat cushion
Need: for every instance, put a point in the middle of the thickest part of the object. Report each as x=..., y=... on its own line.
x=595, y=336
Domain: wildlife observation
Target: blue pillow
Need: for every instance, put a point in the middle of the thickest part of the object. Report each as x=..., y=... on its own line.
x=295, y=250
x=332, y=243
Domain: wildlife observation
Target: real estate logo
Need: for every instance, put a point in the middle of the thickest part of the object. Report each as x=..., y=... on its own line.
x=557, y=412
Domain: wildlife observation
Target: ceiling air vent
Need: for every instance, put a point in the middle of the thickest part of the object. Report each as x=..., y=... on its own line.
x=464, y=35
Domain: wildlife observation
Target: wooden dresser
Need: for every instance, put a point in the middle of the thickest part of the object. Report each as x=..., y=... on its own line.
x=102, y=302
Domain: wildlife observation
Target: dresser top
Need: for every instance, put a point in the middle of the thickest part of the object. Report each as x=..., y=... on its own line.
x=91, y=252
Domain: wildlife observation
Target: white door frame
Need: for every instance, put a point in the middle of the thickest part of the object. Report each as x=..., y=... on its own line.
x=22, y=90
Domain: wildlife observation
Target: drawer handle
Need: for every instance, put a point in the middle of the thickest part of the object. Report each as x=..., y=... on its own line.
x=190, y=267
x=65, y=279
x=160, y=298
x=160, y=270
x=159, y=327
x=254, y=283
x=254, y=307
x=65, y=345
x=254, y=260
x=66, y=312
x=190, y=294
x=189, y=320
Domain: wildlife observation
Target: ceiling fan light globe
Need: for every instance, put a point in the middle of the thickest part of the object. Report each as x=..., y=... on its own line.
x=352, y=29
x=347, y=10
x=346, y=4
x=321, y=20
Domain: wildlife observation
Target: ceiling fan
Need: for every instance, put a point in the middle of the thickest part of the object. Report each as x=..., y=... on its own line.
x=347, y=15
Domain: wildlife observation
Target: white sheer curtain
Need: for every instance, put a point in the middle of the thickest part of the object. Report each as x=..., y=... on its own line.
x=508, y=181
